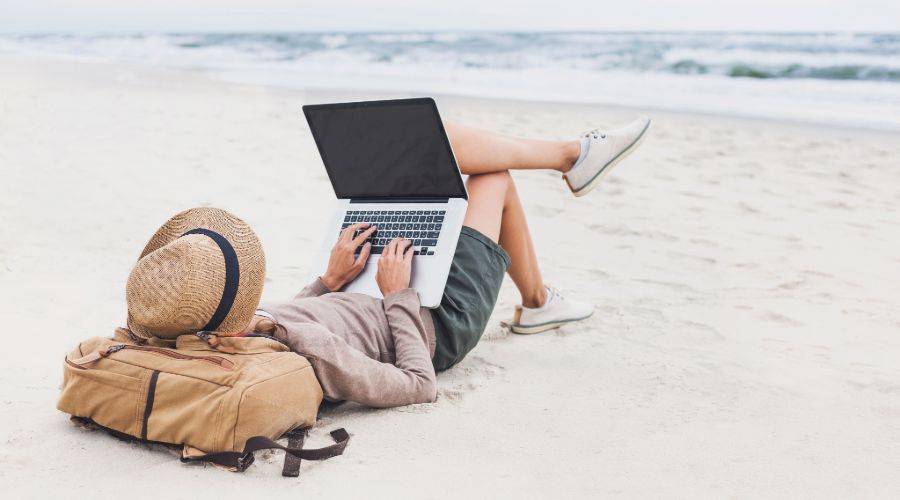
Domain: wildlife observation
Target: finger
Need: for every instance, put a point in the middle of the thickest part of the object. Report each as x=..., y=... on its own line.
x=408, y=254
x=347, y=234
x=363, y=255
x=402, y=245
x=394, y=243
x=384, y=255
x=363, y=236
x=389, y=248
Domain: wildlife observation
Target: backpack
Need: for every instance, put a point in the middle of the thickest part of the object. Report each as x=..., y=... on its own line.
x=219, y=398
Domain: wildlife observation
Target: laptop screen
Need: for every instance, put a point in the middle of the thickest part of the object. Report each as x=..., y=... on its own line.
x=377, y=149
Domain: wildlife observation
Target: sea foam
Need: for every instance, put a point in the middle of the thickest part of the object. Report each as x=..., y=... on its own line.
x=840, y=78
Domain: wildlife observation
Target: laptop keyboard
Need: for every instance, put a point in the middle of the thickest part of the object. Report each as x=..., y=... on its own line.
x=422, y=227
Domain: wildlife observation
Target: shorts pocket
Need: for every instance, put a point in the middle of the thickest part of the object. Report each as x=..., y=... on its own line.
x=453, y=304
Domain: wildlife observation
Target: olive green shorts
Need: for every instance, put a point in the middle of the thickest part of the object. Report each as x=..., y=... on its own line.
x=472, y=287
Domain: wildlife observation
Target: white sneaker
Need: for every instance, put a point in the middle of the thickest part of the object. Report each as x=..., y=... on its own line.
x=605, y=150
x=557, y=311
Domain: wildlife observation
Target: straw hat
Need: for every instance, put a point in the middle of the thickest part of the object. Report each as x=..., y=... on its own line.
x=203, y=270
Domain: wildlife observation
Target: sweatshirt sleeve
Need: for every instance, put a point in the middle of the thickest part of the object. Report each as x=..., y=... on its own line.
x=313, y=289
x=346, y=373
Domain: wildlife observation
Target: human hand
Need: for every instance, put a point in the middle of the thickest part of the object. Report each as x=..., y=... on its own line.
x=343, y=264
x=394, y=266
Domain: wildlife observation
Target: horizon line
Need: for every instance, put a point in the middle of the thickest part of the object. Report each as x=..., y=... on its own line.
x=450, y=31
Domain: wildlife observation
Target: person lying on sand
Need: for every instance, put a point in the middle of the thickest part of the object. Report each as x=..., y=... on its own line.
x=385, y=352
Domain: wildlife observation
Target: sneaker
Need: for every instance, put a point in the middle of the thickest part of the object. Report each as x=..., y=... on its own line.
x=604, y=150
x=557, y=311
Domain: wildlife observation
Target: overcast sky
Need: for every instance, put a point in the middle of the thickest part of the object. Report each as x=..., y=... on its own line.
x=19, y=16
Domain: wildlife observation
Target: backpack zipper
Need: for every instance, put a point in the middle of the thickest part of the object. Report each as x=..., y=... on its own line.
x=216, y=360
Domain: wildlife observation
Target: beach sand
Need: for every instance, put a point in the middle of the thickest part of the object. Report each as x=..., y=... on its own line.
x=746, y=277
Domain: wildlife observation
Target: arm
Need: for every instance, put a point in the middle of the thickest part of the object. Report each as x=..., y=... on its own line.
x=314, y=289
x=346, y=373
x=411, y=351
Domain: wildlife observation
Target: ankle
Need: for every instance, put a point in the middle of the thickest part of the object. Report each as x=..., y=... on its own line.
x=535, y=299
x=571, y=151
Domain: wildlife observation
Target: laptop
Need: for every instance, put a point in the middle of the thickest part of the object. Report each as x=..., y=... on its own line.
x=390, y=164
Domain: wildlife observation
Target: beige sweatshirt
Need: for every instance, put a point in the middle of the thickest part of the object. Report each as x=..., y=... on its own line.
x=371, y=351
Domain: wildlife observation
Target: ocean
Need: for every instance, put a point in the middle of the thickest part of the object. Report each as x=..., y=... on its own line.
x=833, y=78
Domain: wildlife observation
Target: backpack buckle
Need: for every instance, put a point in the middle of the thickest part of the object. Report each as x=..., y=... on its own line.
x=245, y=461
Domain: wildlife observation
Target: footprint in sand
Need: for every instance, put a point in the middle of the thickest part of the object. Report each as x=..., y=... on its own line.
x=709, y=261
x=790, y=285
x=694, y=331
x=675, y=287
x=703, y=243
x=574, y=329
x=496, y=331
x=469, y=375
x=547, y=211
x=779, y=318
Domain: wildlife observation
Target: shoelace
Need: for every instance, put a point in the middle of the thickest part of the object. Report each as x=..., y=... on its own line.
x=596, y=134
x=554, y=294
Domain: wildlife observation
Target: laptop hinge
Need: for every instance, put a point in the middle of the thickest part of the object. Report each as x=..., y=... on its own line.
x=400, y=199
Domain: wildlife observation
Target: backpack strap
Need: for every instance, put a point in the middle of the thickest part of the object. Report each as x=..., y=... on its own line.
x=240, y=460
x=291, y=463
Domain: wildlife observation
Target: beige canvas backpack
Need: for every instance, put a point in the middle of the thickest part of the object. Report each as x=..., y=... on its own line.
x=220, y=398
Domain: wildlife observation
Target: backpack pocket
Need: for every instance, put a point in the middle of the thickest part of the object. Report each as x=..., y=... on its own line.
x=183, y=409
x=111, y=399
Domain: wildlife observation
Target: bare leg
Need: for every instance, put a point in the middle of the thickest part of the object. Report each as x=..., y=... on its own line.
x=480, y=151
x=496, y=211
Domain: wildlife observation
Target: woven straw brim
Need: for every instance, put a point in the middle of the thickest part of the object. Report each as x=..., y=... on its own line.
x=179, y=280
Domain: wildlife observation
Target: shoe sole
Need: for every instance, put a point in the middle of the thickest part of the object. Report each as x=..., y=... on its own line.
x=587, y=188
x=543, y=327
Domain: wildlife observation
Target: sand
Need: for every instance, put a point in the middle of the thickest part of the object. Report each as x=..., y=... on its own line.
x=746, y=276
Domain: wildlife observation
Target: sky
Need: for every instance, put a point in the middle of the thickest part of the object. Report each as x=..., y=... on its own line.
x=24, y=16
